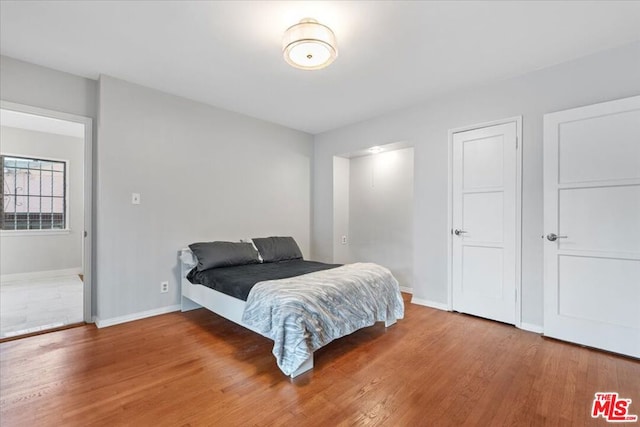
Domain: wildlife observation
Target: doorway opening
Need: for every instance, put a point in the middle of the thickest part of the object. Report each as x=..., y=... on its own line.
x=45, y=256
x=373, y=209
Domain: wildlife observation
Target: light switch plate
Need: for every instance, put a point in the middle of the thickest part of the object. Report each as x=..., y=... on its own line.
x=135, y=198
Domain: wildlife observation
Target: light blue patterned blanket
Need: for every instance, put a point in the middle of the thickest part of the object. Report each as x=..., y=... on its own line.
x=303, y=313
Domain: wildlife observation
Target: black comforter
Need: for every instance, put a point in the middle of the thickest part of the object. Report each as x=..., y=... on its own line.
x=237, y=281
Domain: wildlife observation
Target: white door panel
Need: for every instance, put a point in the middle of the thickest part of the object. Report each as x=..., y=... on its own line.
x=616, y=230
x=484, y=211
x=580, y=275
x=482, y=159
x=482, y=272
x=483, y=217
x=581, y=152
x=592, y=196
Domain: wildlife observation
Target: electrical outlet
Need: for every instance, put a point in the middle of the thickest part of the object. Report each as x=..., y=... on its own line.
x=344, y=240
x=164, y=287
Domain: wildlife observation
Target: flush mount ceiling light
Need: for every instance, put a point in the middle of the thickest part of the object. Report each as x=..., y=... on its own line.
x=375, y=150
x=309, y=45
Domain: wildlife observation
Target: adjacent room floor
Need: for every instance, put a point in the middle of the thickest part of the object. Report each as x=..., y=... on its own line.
x=28, y=306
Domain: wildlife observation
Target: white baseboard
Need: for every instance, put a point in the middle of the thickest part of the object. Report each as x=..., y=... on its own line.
x=531, y=327
x=427, y=303
x=40, y=274
x=406, y=289
x=103, y=323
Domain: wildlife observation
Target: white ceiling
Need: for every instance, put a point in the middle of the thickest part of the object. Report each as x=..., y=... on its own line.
x=392, y=54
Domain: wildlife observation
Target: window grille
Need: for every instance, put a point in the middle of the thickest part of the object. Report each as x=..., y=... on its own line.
x=33, y=194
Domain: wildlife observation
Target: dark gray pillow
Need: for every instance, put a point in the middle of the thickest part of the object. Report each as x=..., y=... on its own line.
x=223, y=254
x=274, y=249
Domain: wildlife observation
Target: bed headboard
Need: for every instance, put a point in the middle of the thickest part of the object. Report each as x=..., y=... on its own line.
x=187, y=261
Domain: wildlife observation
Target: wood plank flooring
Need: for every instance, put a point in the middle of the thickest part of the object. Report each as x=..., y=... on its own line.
x=190, y=369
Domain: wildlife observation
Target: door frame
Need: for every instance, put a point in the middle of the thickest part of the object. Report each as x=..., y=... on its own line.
x=87, y=245
x=518, y=121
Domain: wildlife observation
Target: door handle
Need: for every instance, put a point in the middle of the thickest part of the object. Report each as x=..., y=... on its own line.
x=552, y=237
x=458, y=232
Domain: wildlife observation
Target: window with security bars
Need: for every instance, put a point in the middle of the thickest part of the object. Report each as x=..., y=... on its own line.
x=33, y=194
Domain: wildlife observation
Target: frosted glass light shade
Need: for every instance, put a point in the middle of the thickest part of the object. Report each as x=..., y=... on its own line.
x=309, y=45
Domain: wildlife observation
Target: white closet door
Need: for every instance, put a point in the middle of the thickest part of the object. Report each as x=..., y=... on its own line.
x=592, y=226
x=484, y=222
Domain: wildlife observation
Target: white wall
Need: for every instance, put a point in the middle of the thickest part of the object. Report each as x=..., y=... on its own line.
x=203, y=174
x=28, y=253
x=601, y=77
x=381, y=212
x=340, y=200
x=30, y=84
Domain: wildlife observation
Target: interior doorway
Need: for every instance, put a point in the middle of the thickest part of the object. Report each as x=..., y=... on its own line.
x=45, y=256
x=373, y=209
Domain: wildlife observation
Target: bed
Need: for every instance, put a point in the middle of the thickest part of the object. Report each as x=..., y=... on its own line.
x=266, y=286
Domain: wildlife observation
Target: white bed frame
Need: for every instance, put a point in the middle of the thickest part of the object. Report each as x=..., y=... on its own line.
x=197, y=296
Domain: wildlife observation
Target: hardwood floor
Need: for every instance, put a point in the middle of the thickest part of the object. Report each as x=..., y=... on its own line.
x=189, y=369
